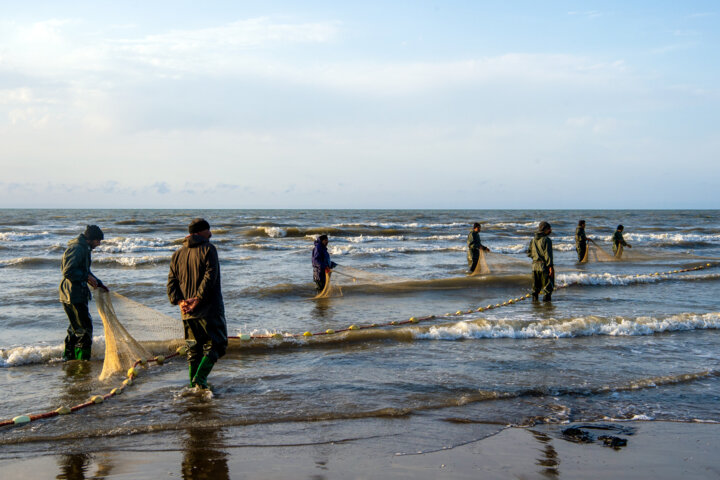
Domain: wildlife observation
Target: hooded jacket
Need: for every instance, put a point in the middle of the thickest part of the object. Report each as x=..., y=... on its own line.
x=321, y=260
x=195, y=272
x=541, y=252
x=580, y=237
x=75, y=270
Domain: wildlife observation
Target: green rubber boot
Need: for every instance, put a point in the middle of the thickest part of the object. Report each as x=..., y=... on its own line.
x=193, y=368
x=200, y=378
x=82, y=353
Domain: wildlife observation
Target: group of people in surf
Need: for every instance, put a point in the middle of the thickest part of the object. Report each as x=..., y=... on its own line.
x=194, y=285
x=541, y=251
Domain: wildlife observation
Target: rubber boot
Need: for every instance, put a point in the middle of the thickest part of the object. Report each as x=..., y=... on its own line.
x=82, y=353
x=68, y=354
x=547, y=297
x=535, y=297
x=200, y=378
x=193, y=368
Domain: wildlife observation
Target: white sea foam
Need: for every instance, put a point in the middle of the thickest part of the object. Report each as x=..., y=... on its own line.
x=360, y=250
x=134, y=245
x=133, y=261
x=575, y=327
x=26, y=355
x=402, y=225
x=22, y=236
x=610, y=279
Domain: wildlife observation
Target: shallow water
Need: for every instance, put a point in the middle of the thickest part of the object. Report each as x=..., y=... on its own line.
x=616, y=343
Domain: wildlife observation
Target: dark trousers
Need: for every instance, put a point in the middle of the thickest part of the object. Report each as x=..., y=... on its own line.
x=581, y=251
x=542, y=282
x=473, y=258
x=78, y=341
x=205, y=337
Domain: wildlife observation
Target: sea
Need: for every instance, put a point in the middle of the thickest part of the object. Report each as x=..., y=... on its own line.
x=636, y=339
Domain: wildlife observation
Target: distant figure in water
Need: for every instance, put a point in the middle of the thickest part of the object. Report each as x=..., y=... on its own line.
x=474, y=246
x=194, y=285
x=75, y=294
x=321, y=262
x=619, y=240
x=541, y=252
x=581, y=240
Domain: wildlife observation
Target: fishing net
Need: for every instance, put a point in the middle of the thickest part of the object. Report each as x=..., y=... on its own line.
x=482, y=267
x=499, y=262
x=128, y=323
x=342, y=276
x=596, y=254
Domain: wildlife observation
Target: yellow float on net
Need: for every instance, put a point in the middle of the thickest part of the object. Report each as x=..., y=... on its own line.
x=458, y=312
x=329, y=331
x=21, y=419
x=413, y=320
x=480, y=309
x=448, y=314
x=277, y=336
x=97, y=399
x=245, y=337
x=489, y=306
x=181, y=350
x=132, y=372
x=117, y=391
x=64, y=410
x=511, y=301
x=142, y=361
x=127, y=381
x=160, y=359
x=353, y=327
x=497, y=304
x=307, y=334
x=374, y=325
x=708, y=264
x=393, y=322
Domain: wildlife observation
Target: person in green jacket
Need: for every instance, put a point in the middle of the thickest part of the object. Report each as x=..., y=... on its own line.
x=581, y=240
x=75, y=293
x=194, y=285
x=541, y=252
x=619, y=240
x=474, y=246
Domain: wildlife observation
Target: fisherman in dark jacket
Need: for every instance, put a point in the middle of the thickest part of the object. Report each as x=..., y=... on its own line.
x=75, y=293
x=194, y=285
x=474, y=246
x=619, y=240
x=321, y=262
x=541, y=252
x=581, y=240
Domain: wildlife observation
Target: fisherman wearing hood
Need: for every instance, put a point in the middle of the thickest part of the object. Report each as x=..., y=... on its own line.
x=321, y=262
x=194, y=285
x=540, y=250
x=474, y=246
x=619, y=240
x=75, y=293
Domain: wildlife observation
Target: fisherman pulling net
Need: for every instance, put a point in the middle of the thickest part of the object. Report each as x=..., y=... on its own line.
x=133, y=331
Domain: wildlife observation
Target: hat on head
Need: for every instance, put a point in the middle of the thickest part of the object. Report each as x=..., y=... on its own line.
x=198, y=225
x=476, y=225
x=543, y=226
x=93, y=232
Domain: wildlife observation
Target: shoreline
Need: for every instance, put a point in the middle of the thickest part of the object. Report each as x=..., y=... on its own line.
x=655, y=449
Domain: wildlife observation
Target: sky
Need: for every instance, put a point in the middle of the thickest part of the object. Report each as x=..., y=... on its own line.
x=390, y=104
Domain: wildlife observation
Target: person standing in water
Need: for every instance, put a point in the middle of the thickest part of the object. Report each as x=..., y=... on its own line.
x=581, y=240
x=194, y=285
x=75, y=294
x=618, y=240
x=474, y=246
x=321, y=262
x=541, y=252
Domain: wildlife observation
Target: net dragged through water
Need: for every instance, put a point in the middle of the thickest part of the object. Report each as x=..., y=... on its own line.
x=126, y=324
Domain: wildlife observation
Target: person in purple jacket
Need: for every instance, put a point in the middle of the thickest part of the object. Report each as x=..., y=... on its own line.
x=321, y=262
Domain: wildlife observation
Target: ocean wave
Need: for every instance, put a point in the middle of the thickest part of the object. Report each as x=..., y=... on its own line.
x=358, y=250
x=30, y=262
x=571, y=327
x=133, y=261
x=135, y=244
x=412, y=225
x=22, y=236
x=27, y=355
x=621, y=280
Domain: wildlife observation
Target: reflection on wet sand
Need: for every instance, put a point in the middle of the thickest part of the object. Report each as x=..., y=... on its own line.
x=549, y=460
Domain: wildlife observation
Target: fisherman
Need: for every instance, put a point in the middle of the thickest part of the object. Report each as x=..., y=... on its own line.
x=194, y=285
x=541, y=252
x=619, y=240
x=321, y=262
x=75, y=294
x=581, y=240
x=474, y=246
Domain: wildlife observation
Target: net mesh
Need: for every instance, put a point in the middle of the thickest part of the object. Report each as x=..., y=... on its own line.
x=342, y=276
x=126, y=324
x=482, y=267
